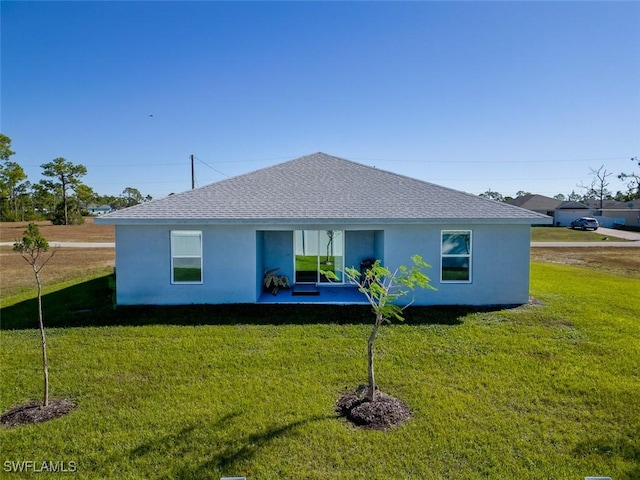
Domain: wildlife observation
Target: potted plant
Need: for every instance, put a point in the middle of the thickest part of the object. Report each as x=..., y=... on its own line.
x=273, y=283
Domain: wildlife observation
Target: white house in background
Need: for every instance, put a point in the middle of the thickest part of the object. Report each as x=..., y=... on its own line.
x=567, y=212
x=610, y=214
x=99, y=209
x=613, y=213
x=213, y=244
x=563, y=213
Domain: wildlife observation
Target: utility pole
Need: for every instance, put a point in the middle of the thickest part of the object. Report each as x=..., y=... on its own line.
x=193, y=174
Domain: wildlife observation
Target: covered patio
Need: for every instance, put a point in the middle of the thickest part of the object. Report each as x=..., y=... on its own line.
x=327, y=295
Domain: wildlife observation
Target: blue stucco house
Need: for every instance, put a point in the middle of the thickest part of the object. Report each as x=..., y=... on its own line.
x=213, y=244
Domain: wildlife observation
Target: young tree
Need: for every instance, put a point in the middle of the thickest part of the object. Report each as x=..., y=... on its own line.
x=67, y=176
x=383, y=288
x=33, y=248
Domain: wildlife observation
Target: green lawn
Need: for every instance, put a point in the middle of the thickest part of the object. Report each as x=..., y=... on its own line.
x=564, y=234
x=546, y=391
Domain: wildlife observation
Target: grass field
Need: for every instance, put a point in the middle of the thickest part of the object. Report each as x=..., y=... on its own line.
x=87, y=232
x=563, y=234
x=619, y=261
x=547, y=390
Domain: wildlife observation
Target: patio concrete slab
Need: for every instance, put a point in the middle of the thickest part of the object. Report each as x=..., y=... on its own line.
x=332, y=295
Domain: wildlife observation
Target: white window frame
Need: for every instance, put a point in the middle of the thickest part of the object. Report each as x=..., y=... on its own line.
x=190, y=233
x=450, y=255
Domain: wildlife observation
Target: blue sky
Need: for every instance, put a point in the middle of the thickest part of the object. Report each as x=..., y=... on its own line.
x=505, y=96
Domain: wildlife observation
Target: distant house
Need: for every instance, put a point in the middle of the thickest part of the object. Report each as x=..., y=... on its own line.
x=613, y=212
x=563, y=213
x=536, y=203
x=99, y=210
x=213, y=244
x=567, y=212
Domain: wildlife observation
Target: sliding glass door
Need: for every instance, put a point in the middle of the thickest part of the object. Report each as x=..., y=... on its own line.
x=317, y=251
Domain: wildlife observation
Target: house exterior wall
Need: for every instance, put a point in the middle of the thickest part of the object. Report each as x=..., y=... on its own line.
x=563, y=217
x=143, y=266
x=500, y=263
x=234, y=258
x=277, y=251
x=362, y=245
x=625, y=217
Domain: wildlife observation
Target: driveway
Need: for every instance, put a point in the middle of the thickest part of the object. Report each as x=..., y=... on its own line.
x=633, y=236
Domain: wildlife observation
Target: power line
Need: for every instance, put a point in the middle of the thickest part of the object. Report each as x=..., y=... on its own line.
x=368, y=159
x=491, y=161
x=212, y=168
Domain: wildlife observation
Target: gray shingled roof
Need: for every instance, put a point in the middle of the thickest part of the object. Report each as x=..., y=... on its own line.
x=536, y=202
x=320, y=187
x=570, y=205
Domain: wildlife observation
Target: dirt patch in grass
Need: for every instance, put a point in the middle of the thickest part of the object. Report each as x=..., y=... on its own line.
x=382, y=413
x=66, y=264
x=34, y=412
x=87, y=232
x=620, y=261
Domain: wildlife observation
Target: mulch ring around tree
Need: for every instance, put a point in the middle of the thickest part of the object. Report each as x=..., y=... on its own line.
x=34, y=412
x=382, y=413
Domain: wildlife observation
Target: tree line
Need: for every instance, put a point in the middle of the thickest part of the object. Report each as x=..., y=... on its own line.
x=60, y=197
x=596, y=189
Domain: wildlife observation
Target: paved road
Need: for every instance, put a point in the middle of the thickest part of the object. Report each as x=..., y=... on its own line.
x=72, y=244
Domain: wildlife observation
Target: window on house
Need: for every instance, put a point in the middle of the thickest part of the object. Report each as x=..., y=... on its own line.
x=456, y=256
x=318, y=251
x=186, y=257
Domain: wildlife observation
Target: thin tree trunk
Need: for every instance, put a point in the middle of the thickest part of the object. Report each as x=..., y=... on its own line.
x=372, y=380
x=64, y=201
x=45, y=363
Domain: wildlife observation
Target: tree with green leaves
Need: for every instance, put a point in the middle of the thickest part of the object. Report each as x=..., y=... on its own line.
x=633, y=185
x=5, y=147
x=492, y=195
x=131, y=196
x=44, y=200
x=67, y=177
x=85, y=195
x=12, y=184
x=383, y=288
x=574, y=197
x=33, y=248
